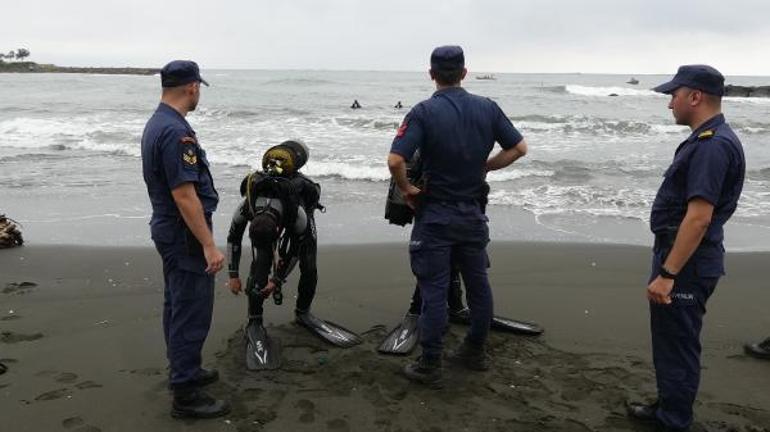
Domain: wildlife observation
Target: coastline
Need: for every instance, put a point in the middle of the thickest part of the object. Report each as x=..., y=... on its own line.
x=86, y=349
x=31, y=67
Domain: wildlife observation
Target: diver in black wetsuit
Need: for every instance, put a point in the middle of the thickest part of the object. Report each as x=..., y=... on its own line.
x=355, y=105
x=279, y=203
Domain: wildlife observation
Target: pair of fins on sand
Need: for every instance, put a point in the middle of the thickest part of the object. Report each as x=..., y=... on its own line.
x=264, y=352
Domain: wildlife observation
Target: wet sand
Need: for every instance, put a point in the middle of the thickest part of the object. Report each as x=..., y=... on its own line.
x=80, y=331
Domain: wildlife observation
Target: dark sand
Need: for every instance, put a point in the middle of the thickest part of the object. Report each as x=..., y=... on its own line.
x=85, y=350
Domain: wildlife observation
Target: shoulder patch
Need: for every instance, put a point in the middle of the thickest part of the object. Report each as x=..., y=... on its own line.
x=189, y=157
x=402, y=129
x=706, y=134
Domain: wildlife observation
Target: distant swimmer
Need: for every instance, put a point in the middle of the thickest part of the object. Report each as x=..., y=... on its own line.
x=398, y=105
x=355, y=105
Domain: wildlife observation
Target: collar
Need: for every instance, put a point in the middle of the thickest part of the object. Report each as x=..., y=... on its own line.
x=449, y=90
x=167, y=109
x=711, y=123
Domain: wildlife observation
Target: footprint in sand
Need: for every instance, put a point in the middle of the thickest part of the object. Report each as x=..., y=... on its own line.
x=66, y=378
x=11, y=337
x=85, y=385
x=72, y=422
x=77, y=424
x=308, y=410
x=18, y=288
x=88, y=428
x=338, y=424
x=53, y=395
x=145, y=371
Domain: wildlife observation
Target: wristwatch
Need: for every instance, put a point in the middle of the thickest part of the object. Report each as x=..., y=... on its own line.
x=665, y=274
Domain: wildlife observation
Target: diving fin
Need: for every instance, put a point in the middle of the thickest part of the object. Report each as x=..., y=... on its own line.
x=402, y=339
x=328, y=331
x=262, y=351
x=463, y=316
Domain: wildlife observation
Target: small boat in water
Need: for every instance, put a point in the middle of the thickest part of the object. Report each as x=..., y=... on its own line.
x=633, y=81
x=488, y=77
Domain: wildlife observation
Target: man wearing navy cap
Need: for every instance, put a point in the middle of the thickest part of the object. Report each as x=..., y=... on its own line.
x=183, y=199
x=454, y=132
x=699, y=193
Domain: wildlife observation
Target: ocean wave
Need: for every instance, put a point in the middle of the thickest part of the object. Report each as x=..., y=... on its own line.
x=366, y=123
x=581, y=90
x=80, y=133
x=302, y=82
x=217, y=113
x=600, y=201
x=747, y=100
x=579, y=125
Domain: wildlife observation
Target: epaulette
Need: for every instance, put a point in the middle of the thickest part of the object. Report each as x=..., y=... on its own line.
x=706, y=134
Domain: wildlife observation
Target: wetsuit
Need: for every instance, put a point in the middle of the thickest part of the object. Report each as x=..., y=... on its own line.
x=298, y=242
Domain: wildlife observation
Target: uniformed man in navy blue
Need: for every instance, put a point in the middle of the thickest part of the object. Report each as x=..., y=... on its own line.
x=183, y=199
x=699, y=193
x=455, y=132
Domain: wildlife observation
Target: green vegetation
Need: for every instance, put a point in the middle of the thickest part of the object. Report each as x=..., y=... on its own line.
x=20, y=54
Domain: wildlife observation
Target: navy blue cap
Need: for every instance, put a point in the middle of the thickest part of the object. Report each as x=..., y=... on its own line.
x=700, y=77
x=448, y=57
x=180, y=72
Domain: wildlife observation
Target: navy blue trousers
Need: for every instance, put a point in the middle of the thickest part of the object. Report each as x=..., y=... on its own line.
x=676, y=346
x=187, y=310
x=445, y=234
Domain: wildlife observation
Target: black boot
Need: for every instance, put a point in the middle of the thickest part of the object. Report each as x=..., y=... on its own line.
x=190, y=402
x=206, y=377
x=425, y=371
x=643, y=412
x=759, y=350
x=470, y=356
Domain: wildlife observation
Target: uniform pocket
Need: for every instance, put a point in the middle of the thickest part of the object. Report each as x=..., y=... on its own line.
x=427, y=263
x=164, y=232
x=709, y=262
x=192, y=263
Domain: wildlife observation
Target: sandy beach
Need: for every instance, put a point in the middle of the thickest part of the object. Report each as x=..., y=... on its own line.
x=81, y=335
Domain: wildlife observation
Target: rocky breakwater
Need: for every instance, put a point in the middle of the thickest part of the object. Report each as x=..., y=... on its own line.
x=31, y=67
x=747, y=91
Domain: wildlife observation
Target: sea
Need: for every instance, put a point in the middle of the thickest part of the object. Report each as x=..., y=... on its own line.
x=70, y=165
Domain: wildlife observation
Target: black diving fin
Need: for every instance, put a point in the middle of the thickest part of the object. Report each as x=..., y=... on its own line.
x=262, y=351
x=402, y=339
x=333, y=333
x=463, y=316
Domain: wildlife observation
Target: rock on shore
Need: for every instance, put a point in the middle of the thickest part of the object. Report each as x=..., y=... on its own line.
x=747, y=91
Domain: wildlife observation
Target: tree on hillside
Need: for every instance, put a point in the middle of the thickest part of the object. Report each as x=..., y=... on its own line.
x=11, y=55
x=22, y=53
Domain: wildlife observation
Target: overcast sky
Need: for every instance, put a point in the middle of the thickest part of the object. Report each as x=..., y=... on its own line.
x=639, y=36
